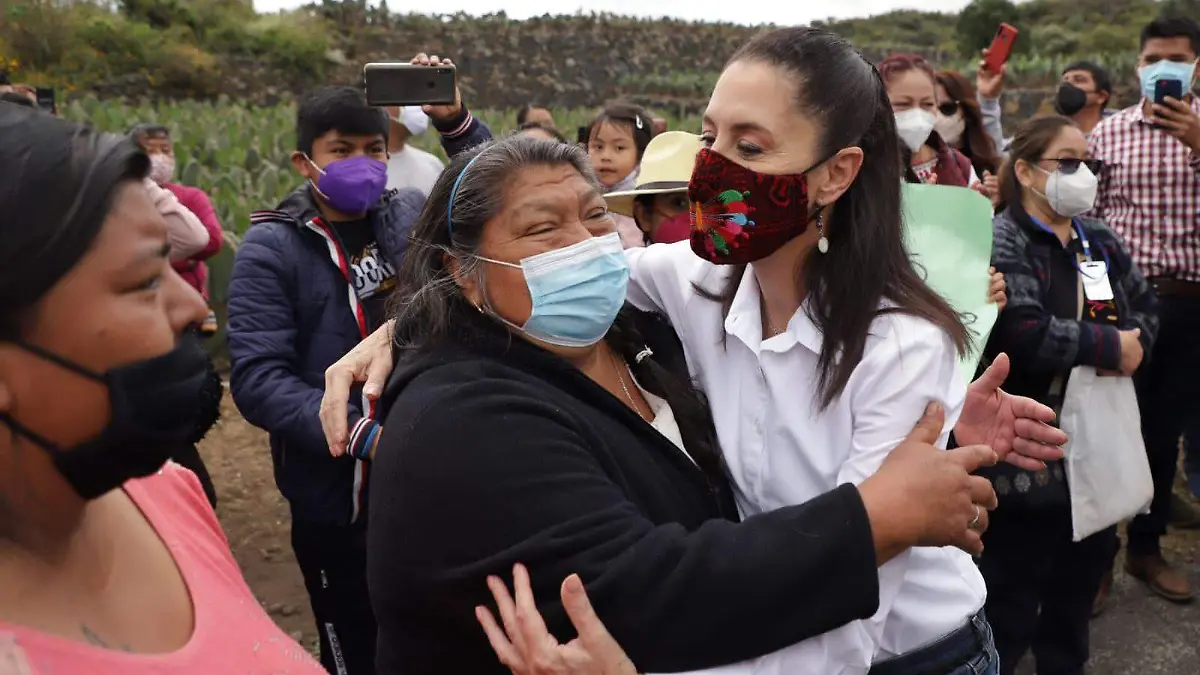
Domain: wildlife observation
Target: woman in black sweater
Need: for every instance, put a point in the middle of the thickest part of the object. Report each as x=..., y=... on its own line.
x=501, y=446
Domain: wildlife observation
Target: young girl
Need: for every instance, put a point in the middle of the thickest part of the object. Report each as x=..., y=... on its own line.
x=617, y=139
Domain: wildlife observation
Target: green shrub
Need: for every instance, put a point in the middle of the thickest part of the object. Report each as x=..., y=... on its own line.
x=186, y=69
x=292, y=41
x=121, y=45
x=36, y=33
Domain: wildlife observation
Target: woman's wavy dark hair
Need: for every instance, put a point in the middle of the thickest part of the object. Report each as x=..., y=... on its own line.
x=978, y=146
x=431, y=310
x=59, y=182
x=867, y=261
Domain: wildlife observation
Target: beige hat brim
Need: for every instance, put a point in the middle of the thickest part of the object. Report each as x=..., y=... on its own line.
x=622, y=202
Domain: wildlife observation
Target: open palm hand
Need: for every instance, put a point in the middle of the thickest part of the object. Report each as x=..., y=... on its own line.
x=1017, y=428
x=523, y=643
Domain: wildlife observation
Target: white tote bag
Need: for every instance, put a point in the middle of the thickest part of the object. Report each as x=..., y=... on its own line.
x=1108, y=473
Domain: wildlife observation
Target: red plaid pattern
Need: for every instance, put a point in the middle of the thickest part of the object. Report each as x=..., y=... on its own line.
x=1150, y=193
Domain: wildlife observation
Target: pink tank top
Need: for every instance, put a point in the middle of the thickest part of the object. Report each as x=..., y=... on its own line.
x=232, y=636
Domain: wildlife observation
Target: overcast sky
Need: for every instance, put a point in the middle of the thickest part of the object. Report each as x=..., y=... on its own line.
x=766, y=11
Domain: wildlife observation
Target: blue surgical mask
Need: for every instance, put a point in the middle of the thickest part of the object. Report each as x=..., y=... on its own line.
x=576, y=291
x=1166, y=70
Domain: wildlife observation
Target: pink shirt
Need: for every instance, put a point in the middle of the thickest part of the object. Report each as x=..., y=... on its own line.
x=232, y=636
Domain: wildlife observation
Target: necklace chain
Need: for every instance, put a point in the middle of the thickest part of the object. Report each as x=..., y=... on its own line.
x=621, y=379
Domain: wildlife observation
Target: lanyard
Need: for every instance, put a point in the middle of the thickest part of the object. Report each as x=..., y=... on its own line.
x=1087, y=248
x=1083, y=240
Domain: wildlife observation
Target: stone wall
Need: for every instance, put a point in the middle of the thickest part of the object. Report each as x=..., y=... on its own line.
x=567, y=62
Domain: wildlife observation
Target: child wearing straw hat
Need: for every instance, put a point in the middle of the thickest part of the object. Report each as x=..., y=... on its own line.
x=658, y=202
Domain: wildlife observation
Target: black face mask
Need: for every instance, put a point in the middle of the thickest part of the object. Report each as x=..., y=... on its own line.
x=1070, y=99
x=156, y=406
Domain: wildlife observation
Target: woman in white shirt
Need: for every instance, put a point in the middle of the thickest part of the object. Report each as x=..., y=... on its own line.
x=810, y=332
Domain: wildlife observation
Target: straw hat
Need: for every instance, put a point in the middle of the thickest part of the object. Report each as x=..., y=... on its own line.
x=666, y=167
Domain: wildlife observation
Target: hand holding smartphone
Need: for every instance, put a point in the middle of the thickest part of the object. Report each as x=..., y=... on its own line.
x=1165, y=88
x=1001, y=47
x=404, y=84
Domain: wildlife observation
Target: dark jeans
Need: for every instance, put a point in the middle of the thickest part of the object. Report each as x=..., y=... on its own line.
x=1191, y=454
x=969, y=650
x=1041, y=586
x=1168, y=389
x=333, y=560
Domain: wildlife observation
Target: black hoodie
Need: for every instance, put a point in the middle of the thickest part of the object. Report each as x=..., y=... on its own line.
x=497, y=452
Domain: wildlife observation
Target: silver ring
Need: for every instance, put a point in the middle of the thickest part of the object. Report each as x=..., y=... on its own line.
x=975, y=520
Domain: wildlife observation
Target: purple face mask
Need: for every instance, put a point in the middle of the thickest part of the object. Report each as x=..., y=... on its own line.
x=352, y=185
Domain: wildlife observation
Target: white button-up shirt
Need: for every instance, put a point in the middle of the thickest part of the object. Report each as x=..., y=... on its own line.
x=782, y=449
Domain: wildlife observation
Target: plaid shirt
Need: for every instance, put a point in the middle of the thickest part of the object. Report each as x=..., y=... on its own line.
x=1150, y=193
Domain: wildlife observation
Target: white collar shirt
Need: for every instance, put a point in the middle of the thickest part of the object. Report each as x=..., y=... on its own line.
x=782, y=449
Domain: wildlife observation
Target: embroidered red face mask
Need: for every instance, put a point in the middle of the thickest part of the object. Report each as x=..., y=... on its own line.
x=739, y=215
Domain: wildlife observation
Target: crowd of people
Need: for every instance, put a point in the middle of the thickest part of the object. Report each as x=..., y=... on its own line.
x=685, y=390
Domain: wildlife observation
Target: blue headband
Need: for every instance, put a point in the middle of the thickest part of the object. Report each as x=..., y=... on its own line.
x=454, y=193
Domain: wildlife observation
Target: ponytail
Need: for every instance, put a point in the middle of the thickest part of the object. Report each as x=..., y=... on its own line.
x=689, y=405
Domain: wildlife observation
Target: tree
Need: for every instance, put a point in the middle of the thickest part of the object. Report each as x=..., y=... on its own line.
x=1180, y=8
x=1055, y=40
x=978, y=22
x=158, y=13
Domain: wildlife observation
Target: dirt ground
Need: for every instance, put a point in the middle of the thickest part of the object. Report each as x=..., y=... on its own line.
x=256, y=520
x=1138, y=634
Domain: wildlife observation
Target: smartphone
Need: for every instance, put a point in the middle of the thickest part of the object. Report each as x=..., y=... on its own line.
x=46, y=99
x=1002, y=46
x=581, y=136
x=407, y=84
x=1165, y=88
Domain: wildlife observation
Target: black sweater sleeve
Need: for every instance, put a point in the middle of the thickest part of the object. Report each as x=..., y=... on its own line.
x=488, y=475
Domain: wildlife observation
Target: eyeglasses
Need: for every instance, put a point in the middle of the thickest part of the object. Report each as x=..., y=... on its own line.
x=949, y=108
x=1069, y=165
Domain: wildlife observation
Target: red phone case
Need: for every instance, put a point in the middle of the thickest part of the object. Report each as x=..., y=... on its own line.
x=1002, y=46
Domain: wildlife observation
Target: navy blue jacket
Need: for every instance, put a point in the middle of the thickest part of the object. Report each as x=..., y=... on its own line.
x=292, y=314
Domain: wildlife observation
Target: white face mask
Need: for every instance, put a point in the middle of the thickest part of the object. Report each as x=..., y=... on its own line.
x=413, y=119
x=1071, y=194
x=162, y=168
x=950, y=128
x=914, y=126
